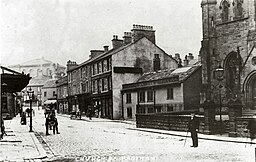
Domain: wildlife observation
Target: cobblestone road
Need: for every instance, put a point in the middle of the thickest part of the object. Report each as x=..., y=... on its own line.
x=112, y=141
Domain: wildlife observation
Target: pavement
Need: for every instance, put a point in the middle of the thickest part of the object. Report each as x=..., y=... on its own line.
x=22, y=145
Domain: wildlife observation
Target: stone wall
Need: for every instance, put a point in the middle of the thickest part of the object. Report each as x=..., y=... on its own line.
x=166, y=122
x=177, y=122
x=241, y=125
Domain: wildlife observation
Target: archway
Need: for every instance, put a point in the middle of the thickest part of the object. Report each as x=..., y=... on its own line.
x=232, y=68
x=250, y=91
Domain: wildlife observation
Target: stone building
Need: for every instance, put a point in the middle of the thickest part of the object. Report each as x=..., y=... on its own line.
x=62, y=94
x=98, y=81
x=163, y=91
x=40, y=67
x=228, y=44
x=49, y=91
x=40, y=70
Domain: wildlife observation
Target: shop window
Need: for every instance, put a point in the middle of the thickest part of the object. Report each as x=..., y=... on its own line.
x=150, y=110
x=169, y=108
x=158, y=109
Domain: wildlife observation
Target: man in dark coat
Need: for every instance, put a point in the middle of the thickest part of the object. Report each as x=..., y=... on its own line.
x=47, y=121
x=55, y=125
x=252, y=127
x=193, y=126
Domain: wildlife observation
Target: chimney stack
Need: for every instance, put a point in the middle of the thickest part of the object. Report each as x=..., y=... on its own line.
x=177, y=56
x=190, y=57
x=116, y=43
x=95, y=53
x=185, y=61
x=71, y=65
x=140, y=31
x=127, y=38
x=156, y=63
x=105, y=48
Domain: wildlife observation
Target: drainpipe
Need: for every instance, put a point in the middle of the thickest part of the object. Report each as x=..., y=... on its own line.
x=154, y=92
x=122, y=96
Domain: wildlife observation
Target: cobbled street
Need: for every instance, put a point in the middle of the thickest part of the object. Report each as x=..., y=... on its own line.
x=96, y=140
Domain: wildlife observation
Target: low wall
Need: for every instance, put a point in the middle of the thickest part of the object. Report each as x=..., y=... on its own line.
x=177, y=122
x=165, y=122
x=241, y=125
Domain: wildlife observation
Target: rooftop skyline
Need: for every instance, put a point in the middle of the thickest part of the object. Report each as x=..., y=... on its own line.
x=63, y=30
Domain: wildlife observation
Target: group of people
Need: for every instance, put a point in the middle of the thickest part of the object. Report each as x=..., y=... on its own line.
x=51, y=122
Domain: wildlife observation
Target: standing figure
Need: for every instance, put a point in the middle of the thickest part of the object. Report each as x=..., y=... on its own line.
x=252, y=127
x=55, y=125
x=2, y=133
x=90, y=112
x=47, y=122
x=193, y=126
x=23, y=119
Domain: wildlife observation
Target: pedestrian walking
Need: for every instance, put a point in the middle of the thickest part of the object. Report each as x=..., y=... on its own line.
x=90, y=112
x=252, y=127
x=193, y=127
x=23, y=119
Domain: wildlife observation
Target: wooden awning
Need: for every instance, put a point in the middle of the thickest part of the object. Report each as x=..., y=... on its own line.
x=13, y=81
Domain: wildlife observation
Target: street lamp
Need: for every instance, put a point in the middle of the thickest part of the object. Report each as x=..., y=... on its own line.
x=30, y=94
x=219, y=73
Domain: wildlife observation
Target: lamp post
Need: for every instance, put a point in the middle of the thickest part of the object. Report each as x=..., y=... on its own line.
x=30, y=94
x=219, y=72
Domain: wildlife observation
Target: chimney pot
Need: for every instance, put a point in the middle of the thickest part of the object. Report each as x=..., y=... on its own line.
x=105, y=48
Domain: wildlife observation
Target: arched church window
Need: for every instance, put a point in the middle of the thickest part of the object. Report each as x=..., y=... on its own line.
x=224, y=6
x=238, y=8
x=233, y=69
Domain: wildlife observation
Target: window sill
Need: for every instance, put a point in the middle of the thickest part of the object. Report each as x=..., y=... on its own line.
x=232, y=21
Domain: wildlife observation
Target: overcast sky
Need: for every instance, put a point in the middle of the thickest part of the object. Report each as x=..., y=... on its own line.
x=59, y=30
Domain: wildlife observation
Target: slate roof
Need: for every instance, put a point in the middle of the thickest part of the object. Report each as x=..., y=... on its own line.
x=38, y=81
x=183, y=73
x=39, y=61
x=114, y=51
x=51, y=83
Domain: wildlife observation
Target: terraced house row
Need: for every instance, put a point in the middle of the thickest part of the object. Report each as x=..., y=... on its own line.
x=98, y=81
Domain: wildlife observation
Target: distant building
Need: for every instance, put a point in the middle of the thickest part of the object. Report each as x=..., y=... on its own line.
x=49, y=90
x=98, y=81
x=62, y=94
x=40, y=67
x=40, y=70
x=163, y=91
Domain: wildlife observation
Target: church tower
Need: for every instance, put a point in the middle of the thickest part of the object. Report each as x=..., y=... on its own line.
x=228, y=43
